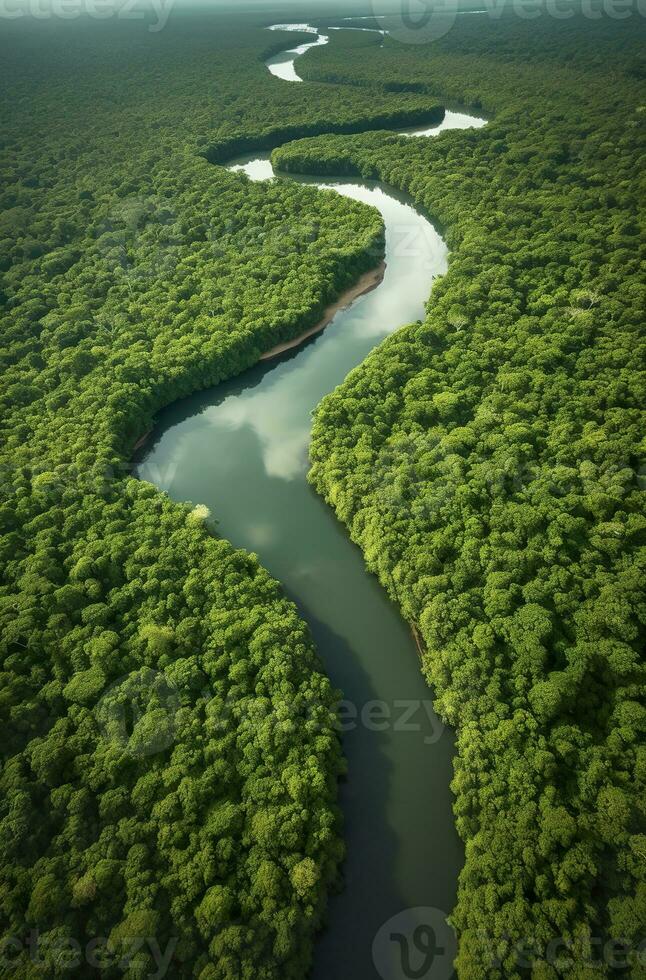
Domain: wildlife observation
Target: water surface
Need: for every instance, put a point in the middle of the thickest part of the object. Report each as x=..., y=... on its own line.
x=282, y=64
x=242, y=449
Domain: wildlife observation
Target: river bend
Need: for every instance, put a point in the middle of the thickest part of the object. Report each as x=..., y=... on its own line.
x=242, y=449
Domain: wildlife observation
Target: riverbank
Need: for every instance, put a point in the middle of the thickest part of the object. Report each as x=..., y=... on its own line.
x=365, y=284
x=141, y=441
x=242, y=450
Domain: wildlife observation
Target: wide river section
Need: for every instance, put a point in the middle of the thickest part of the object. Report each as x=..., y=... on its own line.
x=242, y=449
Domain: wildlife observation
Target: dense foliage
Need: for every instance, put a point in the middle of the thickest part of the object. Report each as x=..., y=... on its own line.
x=170, y=754
x=170, y=761
x=488, y=462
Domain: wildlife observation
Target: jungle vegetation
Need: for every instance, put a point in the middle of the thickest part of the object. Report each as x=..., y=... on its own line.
x=170, y=746
x=171, y=754
x=489, y=462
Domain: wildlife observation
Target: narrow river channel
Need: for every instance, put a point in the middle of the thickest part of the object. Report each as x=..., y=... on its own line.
x=242, y=449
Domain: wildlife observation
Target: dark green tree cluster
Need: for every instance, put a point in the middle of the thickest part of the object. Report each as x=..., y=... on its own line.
x=170, y=752
x=169, y=748
x=489, y=462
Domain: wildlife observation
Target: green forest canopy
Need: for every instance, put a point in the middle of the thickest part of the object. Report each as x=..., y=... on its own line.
x=489, y=462
x=172, y=757
x=171, y=751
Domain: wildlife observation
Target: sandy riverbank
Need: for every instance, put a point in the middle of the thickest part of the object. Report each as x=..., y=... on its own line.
x=141, y=441
x=365, y=284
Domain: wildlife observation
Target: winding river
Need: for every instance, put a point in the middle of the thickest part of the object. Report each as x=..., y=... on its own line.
x=242, y=449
